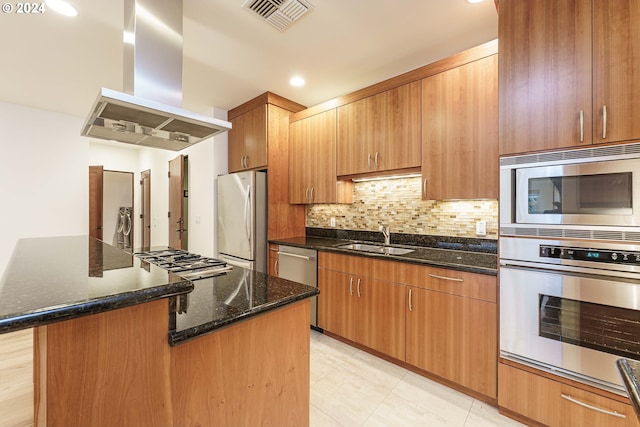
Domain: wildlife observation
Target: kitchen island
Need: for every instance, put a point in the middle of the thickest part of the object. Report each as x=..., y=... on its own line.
x=118, y=341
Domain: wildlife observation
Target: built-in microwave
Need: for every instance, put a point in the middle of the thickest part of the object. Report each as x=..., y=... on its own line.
x=571, y=192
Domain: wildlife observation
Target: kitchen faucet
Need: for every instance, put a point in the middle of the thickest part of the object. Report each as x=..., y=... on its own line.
x=386, y=234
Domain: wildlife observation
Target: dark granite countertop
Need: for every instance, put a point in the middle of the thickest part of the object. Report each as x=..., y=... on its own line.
x=629, y=372
x=60, y=278
x=234, y=296
x=471, y=255
x=51, y=279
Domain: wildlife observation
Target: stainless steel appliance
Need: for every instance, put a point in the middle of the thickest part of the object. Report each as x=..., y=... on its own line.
x=185, y=264
x=571, y=307
x=591, y=193
x=123, y=229
x=300, y=265
x=242, y=219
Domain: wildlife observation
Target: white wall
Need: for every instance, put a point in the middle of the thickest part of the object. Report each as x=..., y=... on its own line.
x=44, y=184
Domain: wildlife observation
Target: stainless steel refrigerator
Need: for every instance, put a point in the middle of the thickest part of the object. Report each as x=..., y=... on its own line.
x=242, y=219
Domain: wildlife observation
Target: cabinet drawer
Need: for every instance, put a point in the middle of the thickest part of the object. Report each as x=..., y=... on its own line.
x=361, y=266
x=471, y=285
x=556, y=404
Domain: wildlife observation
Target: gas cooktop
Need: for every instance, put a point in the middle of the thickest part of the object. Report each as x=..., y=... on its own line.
x=185, y=264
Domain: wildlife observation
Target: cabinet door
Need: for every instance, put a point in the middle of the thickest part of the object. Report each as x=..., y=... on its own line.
x=248, y=140
x=336, y=301
x=321, y=162
x=616, y=59
x=298, y=154
x=354, y=138
x=459, y=132
x=396, y=121
x=380, y=320
x=273, y=259
x=453, y=337
x=545, y=74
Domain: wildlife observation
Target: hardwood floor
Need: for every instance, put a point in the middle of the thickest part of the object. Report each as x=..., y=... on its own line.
x=16, y=379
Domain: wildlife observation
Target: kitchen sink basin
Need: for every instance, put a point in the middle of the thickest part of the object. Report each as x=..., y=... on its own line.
x=386, y=250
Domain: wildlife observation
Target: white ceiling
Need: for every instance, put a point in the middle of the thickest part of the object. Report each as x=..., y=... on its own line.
x=230, y=56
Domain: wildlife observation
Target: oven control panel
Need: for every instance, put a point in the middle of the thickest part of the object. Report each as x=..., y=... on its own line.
x=588, y=254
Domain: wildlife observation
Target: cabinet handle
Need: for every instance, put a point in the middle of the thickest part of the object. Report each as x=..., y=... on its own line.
x=410, y=304
x=581, y=126
x=312, y=191
x=594, y=408
x=604, y=122
x=453, y=279
x=369, y=161
x=351, y=286
x=359, y=295
x=275, y=267
x=376, y=160
x=242, y=162
x=246, y=161
x=424, y=188
x=306, y=194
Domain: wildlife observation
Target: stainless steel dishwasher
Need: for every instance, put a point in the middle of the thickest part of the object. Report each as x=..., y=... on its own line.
x=300, y=265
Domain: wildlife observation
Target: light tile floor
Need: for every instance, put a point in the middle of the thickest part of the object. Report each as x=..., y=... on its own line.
x=350, y=387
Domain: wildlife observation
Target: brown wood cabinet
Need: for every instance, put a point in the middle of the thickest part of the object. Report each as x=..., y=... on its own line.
x=261, y=126
x=361, y=308
x=460, y=132
x=554, y=403
x=248, y=140
x=452, y=326
x=439, y=320
x=312, y=162
x=566, y=73
x=380, y=133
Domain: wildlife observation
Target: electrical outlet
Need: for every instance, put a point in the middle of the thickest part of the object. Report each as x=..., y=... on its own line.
x=332, y=222
x=481, y=228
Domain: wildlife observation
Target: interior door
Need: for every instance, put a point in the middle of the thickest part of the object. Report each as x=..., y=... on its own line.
x=177, y=225
x=145, y=208
x=95, y=201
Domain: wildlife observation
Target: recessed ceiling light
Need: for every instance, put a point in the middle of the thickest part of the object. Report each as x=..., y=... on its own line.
x=62, y=7
x=296, y=81
x=474, y=1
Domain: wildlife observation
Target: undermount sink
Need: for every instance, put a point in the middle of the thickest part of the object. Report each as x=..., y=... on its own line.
x=386, y=250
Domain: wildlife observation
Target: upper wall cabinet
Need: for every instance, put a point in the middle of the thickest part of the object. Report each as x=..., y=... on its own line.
x=459, y=132
x=380, y=133
x=312, y=162
x=567, y=73
x=248, y=140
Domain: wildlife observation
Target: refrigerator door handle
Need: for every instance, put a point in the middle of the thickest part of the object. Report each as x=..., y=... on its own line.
x=247, y=215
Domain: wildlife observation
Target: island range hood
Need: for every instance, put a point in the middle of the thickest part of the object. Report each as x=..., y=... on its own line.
x=150, y=113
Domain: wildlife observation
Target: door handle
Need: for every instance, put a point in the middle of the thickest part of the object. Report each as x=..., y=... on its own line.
x=604, y=122
x=358, y=287
x=410, y=295
x=424, y=188
x=369, y=161
x=351, y=286
x=581, y=126
x=376, y=160
x=275, y=267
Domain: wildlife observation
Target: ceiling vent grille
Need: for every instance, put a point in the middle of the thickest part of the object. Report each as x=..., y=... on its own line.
x=279, y=13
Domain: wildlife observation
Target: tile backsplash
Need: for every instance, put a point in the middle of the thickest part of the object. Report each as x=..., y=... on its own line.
x=397, y=203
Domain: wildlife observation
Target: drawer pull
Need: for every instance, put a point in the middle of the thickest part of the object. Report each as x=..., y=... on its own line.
x=359, y=294
x=275, y=268
x=594, y=408
x=453, y=279
x=410, y=304
x=351, y=286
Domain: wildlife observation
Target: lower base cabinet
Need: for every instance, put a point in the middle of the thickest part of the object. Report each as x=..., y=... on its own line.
x=453, y=337
x=555, y=404
x=441, y=321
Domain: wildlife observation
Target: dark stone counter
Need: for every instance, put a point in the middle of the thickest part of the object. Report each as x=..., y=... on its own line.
x=52, y=279
x=59, y=278
x=471, y=255
x=234, y=296
x=629, y=372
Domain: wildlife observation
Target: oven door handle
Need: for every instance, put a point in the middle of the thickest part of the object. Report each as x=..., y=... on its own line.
x=593, y=408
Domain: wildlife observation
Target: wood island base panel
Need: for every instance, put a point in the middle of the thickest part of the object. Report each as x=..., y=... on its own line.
x=118, y=369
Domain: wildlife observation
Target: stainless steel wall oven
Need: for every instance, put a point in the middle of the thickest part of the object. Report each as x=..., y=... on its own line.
x=570, y=261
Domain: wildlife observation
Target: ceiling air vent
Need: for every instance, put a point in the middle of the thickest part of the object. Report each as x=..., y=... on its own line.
x=279, y=13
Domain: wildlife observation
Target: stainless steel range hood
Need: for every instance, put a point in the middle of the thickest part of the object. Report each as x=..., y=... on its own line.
x=150, y=114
